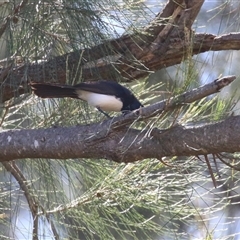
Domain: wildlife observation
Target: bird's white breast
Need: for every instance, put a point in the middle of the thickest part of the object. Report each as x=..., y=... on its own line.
x=105, y=102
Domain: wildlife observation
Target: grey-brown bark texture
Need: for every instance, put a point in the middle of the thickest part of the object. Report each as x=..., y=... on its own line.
x=113, y=138
x=160, y=44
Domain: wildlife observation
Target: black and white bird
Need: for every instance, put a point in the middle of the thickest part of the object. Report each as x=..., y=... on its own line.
x=104, y=95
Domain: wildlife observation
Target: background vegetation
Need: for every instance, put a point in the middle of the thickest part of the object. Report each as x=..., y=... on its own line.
x=99, y=198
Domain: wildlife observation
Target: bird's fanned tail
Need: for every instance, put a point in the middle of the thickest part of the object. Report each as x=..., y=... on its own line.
x=45, y=90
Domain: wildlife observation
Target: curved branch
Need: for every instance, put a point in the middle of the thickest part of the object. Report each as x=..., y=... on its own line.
x=150, y=62
x=33, y=203
x=129, y=57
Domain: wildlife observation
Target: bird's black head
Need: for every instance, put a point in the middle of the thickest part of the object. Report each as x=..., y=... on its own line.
x=135, y=104
x=130, y=103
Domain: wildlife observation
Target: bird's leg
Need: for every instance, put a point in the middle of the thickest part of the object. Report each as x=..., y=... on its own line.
x=101, y=111
x=125, y=112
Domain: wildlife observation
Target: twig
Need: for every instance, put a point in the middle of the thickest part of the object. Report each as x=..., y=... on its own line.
x=16, y=172
x=216, y=166
x=173, y=103
x=226, y=163
x=32, y=202
x=210, y=171
x=20, y=6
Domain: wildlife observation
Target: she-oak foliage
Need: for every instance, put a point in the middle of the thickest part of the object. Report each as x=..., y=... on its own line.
x=55, y=154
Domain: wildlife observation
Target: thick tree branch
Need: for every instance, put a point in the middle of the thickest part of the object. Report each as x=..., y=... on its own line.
x=130, y=56
x=160, y=45
x=75, y=142
x=114, y=140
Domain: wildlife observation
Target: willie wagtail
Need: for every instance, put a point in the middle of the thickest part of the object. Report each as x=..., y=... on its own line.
x=104, y=95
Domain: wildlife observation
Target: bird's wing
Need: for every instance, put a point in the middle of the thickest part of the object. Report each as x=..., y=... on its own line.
x=102, y=87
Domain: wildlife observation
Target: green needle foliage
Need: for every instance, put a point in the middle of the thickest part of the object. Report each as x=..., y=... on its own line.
x=170, y=198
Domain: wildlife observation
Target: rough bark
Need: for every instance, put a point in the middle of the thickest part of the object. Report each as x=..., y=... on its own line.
x=113, y=138
x=128, y=57
x=125, y=145
x=162, y=43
